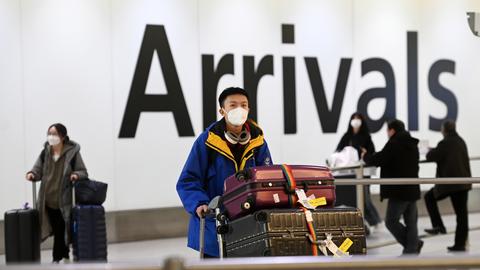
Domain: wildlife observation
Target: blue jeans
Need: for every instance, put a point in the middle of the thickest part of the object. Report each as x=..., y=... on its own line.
x=405, y=234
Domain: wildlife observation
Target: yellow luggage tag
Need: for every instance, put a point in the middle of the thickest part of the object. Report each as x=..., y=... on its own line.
x=346, y=245
x=318, y=202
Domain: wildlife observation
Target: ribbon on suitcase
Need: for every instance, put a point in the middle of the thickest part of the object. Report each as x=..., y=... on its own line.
x=291, y=184
x=293, y=198
x=311, y=229
x=298, y=196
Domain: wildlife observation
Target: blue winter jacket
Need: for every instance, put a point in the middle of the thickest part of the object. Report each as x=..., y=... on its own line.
x=210, y=162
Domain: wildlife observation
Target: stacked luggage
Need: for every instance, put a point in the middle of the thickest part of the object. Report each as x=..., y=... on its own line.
x=89, y=232
x=283, y=210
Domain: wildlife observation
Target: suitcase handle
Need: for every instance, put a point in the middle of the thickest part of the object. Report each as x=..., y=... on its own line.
x=243, y=175
x=291, y=192
x=34, y=194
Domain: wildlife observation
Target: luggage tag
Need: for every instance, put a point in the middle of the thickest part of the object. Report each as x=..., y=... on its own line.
x=308, y=216
x=346, y=245
x=302, y=198
x=323, y=247
x=276, y=198
x=318, y=202
x=334, y=249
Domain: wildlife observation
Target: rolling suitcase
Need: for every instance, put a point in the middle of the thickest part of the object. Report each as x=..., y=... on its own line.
x=284, y=232
x=268, y=187
x=89, y=232
x=22, y=233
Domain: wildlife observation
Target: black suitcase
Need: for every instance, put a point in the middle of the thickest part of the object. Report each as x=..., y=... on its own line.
x=22, y=234
x=89, y=233
x=283, y=232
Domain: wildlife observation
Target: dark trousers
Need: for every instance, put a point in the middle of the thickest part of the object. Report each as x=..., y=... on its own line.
x=405, y=234
x=371, y=213
x=459, y=202
x=60, y=249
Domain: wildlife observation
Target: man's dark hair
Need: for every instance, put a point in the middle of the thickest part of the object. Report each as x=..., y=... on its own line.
x=231, y=91
x=396, y=125
x=449, y=127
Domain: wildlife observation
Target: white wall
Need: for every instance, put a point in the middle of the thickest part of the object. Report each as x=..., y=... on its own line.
x=73, y=62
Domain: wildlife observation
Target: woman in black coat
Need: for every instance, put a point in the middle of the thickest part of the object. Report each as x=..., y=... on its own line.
x=358, y=136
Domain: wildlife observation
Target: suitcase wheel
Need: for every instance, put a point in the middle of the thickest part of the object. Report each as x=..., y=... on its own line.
x=246, y=205
x=222, y=229
x=261, y=216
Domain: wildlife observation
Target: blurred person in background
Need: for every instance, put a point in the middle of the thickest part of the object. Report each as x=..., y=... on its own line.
x=451, y=156
x=358, y=136
x=399, y=159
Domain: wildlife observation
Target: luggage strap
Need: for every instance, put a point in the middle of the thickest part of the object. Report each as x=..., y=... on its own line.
x=311, y=229
x=291, y=184
x=323, y=245
x=292, y=200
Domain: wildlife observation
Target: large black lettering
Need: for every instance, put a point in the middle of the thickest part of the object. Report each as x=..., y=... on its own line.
x=251, y=79
x=441, y=93
x=328, y=117
x=155, y=39
x=412, y=80
x=289, y=96
x=387, y=92
x=211, y=77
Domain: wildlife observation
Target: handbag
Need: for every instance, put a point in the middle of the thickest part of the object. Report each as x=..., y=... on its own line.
x=90, y=192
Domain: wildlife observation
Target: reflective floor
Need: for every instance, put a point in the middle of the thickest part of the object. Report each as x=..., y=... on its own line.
x=380, y=243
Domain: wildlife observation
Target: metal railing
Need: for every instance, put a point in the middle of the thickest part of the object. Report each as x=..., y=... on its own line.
x=359, y=181
x=473, y=158
x=304, y=263
x=278, y=263
x=407, y=181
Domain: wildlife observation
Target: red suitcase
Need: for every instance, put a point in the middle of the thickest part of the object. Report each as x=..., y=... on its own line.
x=267, y=187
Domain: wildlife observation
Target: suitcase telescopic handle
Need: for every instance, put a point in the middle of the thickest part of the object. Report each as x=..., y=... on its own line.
x=73, y=194
x=34, y=194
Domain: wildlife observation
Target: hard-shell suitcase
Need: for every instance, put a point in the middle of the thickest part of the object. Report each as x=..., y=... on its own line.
x=283, y=232
x=266, y=187
x=89, y=233
x=22, y=234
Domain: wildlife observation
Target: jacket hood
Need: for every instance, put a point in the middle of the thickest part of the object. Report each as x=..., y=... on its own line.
x=70, y=145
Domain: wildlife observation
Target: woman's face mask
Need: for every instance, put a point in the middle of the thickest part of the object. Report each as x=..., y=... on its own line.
x=356, y=123
x=53, y=139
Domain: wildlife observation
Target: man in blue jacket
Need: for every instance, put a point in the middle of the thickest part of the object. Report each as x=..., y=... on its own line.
x=225, y=147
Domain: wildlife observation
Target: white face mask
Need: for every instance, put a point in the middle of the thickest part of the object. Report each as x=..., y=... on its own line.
x=356, y=123
x=53, y=140
x=237, y=116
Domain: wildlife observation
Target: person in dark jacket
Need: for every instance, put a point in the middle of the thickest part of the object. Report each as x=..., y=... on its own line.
x=451, y=156
x=399, y=159
x=57, y=166
x=358, y=136
x=226, y=147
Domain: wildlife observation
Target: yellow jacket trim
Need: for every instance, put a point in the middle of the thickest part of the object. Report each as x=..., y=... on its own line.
x=218, y=144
